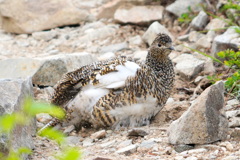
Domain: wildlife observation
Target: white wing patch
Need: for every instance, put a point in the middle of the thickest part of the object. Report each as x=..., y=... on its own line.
x=117, y=79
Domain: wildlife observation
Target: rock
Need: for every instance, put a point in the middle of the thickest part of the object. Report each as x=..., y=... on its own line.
x=233, y=102
x=182, y=147
x=45, y=35
x=69, y=129
x=5, y=36
x=235, y=133
x=183, y=37
x=125, y=143
x=43, y=117
x=181, y=6
x=72, y=140
x=211, y=35
x=231, y=158
x=93, y=25
x=138, y=14
x=215, y=23
x=140, y=55
x=99, y=135
x=106, y=56
x=228, y=40
x=127, y=150
x=191, y=158
x=204, y=42
x=209, y=67
x=13, y=93
x=44, y=71
x=198, y=79
x=89, y=3
x=194, y=36
x=136, y=40
x=100, y=158
x=178, y=158
x=87, y=142
x=108, y=144
x=153, y=30
x=170, y=100
x=30, y=16
x=107, y=10
x=188, y=66
x=228, y=145
x=199, y=150
x=203, y=122
x=234, y=122
x=200, y=21
x=137, y=132
x=231, y=114
x=98, y=33
x=114, y=47
x=147, y=144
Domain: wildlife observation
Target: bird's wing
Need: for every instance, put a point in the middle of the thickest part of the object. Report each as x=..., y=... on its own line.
x=109, y=74
x=117, y=78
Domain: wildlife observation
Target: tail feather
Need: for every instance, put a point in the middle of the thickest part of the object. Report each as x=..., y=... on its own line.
x=52, y=123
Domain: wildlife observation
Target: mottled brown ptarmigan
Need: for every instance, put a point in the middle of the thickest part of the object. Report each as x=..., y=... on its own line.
x=118, y=92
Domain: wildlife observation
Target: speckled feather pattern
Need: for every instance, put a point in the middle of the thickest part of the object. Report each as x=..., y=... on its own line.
x=154, y=78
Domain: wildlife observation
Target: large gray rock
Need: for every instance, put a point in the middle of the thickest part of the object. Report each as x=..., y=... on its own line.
x=107, y=10
x=194, y=36
x=203, y=122
x=138, y=14
x=200, y=21
x=188, y=66
x=45, y=35
x=228, y=40
x=46, y=71
x=153, y=30
x=29, y=16
x=100, y=32
x=181, y=6
x=215, y=23
x=206, y=40
x=114, y=47
x=12, y=96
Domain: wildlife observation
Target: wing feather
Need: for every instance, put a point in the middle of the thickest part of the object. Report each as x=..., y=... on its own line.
x=110, y=74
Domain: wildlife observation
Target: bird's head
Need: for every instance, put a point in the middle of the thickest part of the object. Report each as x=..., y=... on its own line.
x=161, y=46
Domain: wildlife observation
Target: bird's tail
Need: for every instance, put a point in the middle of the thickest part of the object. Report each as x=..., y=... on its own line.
x=52, y=123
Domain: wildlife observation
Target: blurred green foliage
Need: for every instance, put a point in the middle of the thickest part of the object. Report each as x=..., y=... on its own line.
x=232, y=60
x=213, y=79
x=30, y=108
x=232, y=11
x=187, y=17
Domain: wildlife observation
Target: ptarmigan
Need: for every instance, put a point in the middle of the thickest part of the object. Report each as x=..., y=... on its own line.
x=118, y=92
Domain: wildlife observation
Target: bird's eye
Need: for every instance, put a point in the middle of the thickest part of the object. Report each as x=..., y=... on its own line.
x=159, y=45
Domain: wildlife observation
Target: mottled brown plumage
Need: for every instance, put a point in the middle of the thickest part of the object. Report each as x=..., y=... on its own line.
x=132, y=102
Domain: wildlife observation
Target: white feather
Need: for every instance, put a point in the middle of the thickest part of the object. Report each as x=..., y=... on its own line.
x=136, y=114
x=83, y=103
x=117, y=79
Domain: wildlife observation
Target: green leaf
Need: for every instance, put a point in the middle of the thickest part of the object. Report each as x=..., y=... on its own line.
x=221, y=54
x=13, y=156
x=237, y=29
x=53, y=134
x=31, y=107
x=71, y=154
x=7, y=123
x=24, y=150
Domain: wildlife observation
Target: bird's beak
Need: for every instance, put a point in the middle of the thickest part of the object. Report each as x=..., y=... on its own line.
x=171, y=48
